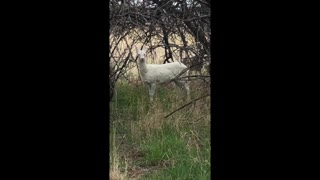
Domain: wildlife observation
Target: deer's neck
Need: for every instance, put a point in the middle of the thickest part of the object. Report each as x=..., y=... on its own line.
x=143, y=66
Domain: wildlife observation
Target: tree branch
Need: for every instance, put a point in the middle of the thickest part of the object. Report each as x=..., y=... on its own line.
x=186, y=105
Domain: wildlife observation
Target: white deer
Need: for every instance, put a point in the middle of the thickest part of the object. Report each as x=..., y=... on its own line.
x=153, y=74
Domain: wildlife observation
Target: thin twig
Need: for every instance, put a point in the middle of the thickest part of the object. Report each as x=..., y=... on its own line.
x=186, y=105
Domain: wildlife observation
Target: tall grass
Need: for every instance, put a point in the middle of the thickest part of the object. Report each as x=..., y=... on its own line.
x=115, y=171
x=148, y=146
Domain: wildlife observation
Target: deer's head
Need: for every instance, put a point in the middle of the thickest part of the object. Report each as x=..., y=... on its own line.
x=141, y=53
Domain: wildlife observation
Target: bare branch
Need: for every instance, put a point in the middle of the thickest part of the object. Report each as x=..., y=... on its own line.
x=186, y=105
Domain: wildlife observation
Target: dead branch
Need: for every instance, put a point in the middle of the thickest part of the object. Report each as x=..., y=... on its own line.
x=186, y=105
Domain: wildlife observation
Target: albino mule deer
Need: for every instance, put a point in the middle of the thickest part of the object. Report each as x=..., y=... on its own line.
x=153, y=74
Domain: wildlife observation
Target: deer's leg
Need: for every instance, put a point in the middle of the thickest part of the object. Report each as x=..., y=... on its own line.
x=185, y=86
x=187, y=89
x=152, y=90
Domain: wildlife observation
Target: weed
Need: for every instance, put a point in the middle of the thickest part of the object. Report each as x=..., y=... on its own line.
x=149, y=146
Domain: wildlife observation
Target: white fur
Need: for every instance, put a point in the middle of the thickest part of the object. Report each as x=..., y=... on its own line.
x=154, y=74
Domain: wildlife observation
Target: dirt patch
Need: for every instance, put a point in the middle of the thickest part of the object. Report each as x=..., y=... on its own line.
x=137, y=171
x=135, y=159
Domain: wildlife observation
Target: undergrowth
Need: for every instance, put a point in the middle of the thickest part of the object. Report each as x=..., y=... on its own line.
x=145, y=145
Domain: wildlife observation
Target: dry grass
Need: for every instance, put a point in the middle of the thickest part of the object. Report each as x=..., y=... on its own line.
x=149, y=146
x=115, y=172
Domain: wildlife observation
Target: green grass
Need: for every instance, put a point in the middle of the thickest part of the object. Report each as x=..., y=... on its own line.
x=149, y=146
x=185, y=162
